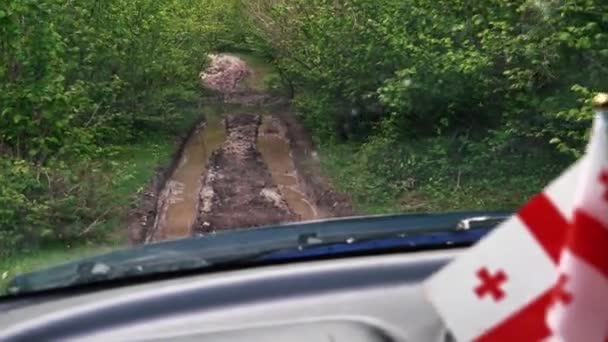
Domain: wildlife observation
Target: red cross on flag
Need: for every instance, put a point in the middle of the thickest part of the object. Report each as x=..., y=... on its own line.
x=543, y=273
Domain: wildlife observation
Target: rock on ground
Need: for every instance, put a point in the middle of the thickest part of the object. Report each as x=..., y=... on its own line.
x=225, y=73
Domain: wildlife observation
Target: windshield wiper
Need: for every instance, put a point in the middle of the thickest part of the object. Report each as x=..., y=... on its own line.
x=477, y=221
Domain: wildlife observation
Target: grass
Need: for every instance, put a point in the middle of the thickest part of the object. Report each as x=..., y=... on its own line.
x=426, y=176
x=133, y=166
x=137, y=163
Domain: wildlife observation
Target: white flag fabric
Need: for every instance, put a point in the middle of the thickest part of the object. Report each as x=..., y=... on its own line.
x=538, y=275
x=579, y=311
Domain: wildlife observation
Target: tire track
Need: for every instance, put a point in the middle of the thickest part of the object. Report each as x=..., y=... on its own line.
x=238, y=190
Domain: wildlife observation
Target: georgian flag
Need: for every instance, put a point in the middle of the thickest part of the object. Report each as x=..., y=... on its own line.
x=579, y=311
x=543, y=274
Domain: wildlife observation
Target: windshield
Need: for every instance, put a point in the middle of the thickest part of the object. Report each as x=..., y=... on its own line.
x=132, y=122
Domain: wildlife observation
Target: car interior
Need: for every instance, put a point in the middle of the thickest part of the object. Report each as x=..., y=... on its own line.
x=358, y=298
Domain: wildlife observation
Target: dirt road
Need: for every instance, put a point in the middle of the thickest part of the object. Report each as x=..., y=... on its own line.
x=238, y=190
x=248, y=164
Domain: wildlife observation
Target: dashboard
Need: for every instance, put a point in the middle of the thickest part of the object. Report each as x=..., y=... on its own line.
x=362, y=298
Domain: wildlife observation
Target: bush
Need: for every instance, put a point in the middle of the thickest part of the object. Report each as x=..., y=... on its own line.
x=488, y=65
x=80, y=74
x=55, y=203
x=77, y=79
x=440, y=174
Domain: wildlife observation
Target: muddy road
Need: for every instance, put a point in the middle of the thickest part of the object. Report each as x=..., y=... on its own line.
x=249, y=163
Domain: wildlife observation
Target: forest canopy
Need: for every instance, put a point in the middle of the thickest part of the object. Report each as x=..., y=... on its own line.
x=80, y=81
x=512, y=68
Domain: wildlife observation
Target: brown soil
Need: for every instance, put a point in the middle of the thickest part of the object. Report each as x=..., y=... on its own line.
x=237, y=188
x=273, y=144
x=225, y=74
x=313, y=182
x=246, y=182
x=142, y=218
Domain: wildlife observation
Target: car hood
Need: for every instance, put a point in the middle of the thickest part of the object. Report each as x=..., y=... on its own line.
x=272, y=243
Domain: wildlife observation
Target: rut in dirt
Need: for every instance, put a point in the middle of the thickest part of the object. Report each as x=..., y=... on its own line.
x=249, y=164
x=238, y=189
x=273, y=144
x=179, y=201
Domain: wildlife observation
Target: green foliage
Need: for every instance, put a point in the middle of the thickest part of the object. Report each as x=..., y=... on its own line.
x=440, y=67
x=79, y=75
x=439, y=174
x=79, y=82
x=312, y=111
x=72, y=202
x=570, y=127
x=50, y=203
x=444, y=104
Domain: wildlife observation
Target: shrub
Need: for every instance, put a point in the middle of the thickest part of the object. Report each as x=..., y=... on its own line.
x=55, y=203
x=488, y=65
x=86, y=73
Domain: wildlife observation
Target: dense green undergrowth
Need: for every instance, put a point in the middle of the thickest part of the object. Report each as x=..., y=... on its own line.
x=132, y=166
x=92, y=97
x=135, y=165
x=518, y=68
x=436, y=175
x=439, y=104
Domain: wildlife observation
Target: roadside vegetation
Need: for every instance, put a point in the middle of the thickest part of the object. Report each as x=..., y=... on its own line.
x=439, y=105
x=415, y=105
x=93, y=95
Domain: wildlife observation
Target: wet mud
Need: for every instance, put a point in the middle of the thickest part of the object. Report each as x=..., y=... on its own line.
x=273, y=144
x=248, y=164
x=315, y=185
x=179, y=201
x=238, y=190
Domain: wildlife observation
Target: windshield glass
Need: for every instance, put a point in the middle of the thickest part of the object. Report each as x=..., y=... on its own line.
x=132, y=122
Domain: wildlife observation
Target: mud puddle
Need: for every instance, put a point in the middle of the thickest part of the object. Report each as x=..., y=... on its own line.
x=181, y=195
x=238, y=190
x=273, y=144
x=250, y=164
